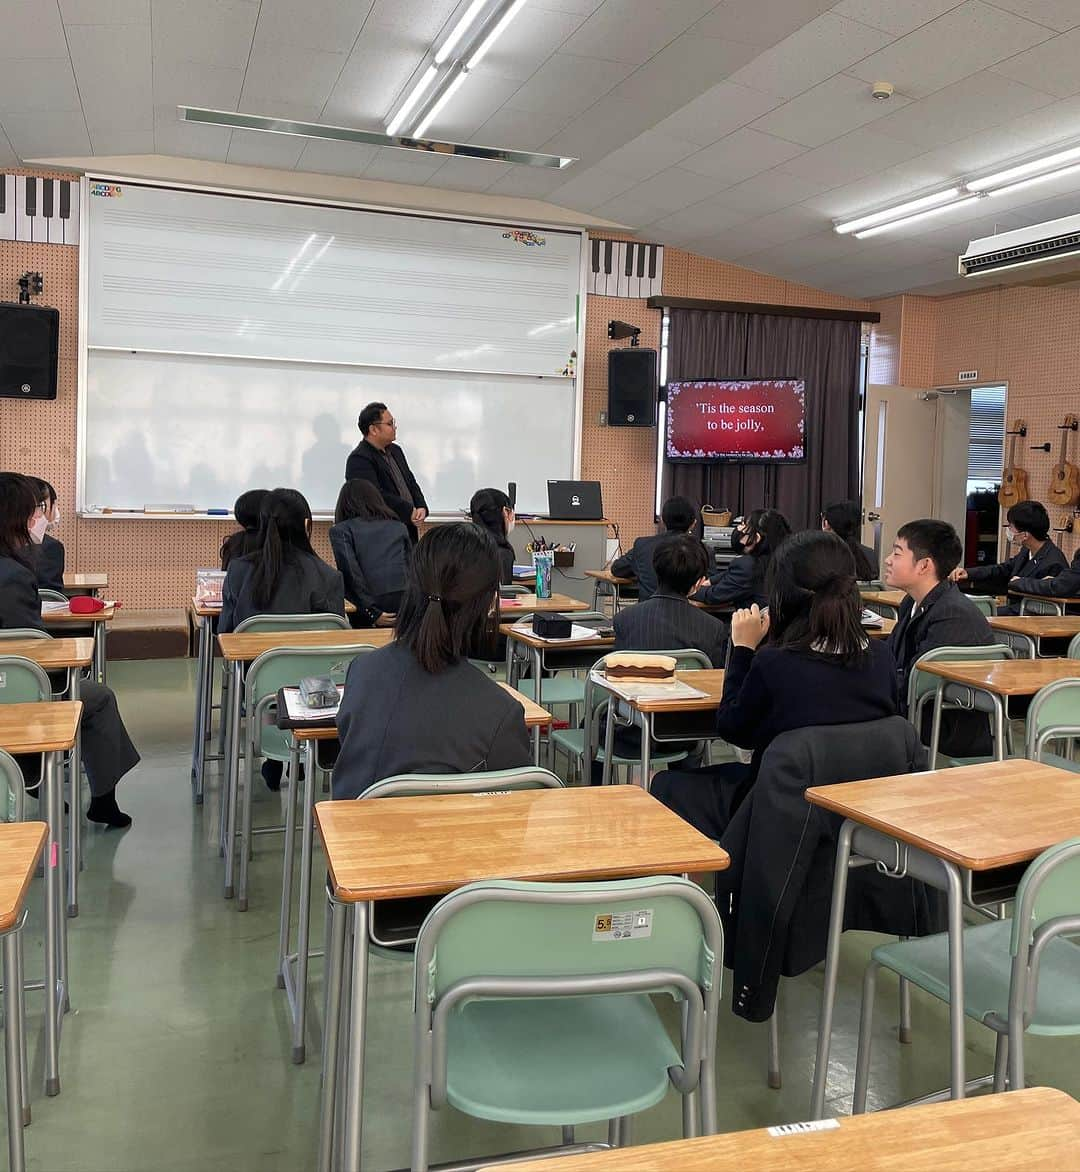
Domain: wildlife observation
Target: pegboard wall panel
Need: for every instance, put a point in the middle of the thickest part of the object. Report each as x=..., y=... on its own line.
x=917, y=331
x=885, y=343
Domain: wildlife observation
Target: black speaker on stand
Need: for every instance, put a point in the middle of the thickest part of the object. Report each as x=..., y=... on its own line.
x=632, y=387
x=29, y=350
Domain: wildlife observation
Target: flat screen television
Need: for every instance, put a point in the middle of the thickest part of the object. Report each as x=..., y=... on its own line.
x=748, y=420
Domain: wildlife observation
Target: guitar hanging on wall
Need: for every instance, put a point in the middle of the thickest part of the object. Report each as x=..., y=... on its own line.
x=1065, y=478
x=1014, y=481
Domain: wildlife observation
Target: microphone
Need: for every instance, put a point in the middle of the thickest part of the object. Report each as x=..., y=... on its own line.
x=511, y=492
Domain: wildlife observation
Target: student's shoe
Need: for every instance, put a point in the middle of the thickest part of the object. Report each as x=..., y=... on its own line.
x=104, y=809
x=271, y=774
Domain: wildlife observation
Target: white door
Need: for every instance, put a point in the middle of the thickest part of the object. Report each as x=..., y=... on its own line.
x=915, y=451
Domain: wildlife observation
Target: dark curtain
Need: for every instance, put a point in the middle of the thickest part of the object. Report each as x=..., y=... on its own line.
x=825, y=354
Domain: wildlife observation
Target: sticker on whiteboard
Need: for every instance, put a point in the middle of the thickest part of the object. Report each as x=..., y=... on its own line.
x=623, y=926
x=529, y=239
x=803, y=1128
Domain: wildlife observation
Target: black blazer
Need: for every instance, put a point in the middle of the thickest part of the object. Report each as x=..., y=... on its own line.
x=667, y=622
x=741, y=584
x=1064, y=584
x=397, y=718
x=1047, y=563
x=366, y=462
x=48, y=560
x=307, y=585
x=19, y=602
x=638, y=563
x=238, y=545
x=872, y=563
x=373, y=557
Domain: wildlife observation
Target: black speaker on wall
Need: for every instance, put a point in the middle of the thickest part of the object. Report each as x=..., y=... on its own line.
x=632, y=387
x=29, y=349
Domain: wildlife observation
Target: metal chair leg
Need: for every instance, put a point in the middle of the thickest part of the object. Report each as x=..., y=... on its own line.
x=862, y=1054
x=904, y=1031
x=1001, y=1063
x=774, y=1050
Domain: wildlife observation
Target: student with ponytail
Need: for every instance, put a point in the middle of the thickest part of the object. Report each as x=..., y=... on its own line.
x=245, y=540
x=418, y=705
x=491, y=509
x=816, y=666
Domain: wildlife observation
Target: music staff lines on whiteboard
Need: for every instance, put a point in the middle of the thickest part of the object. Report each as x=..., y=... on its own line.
x=39, y=211
x=622, y=268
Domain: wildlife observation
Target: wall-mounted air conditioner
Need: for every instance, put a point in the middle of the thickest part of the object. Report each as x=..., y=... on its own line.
x=1054, y=240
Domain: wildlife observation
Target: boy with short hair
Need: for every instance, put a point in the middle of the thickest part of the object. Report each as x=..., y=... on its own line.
x=679, y=516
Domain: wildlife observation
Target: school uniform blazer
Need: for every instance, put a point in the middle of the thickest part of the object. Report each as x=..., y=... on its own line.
x=1064, y=584
x=872, y=560
x=373, y=557
x=307, y=585
x=19, y=602
x=48, y=559
x=1047, y=563
x=638, y=563
x=506, y=560
x=395, y=717
x=741, y=584
x=667, y=622
x=367, y=462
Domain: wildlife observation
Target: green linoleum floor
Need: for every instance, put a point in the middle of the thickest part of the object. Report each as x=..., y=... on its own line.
x=175, y=1056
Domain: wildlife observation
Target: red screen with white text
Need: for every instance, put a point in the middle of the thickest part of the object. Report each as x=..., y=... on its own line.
x=737, y=419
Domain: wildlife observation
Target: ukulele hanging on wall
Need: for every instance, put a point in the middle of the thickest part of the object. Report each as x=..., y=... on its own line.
x=1065, y=478
x=1014, y=481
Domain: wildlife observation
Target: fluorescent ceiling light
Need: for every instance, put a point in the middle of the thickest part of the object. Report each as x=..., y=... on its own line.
x=901, y=209
x=1009, y=188
x=459, y=30
x=496, y=32
x=923, y=215
x=407, y=107
x=451, y=89
x=1023, y=169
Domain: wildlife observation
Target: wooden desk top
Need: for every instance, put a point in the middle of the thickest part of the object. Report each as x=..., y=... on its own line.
x=202, y=610
x=977, y=816
x=1045, y=597
x=709, y=681
x=52, y=653
x=1006, y=677
x=65, y=617
x=91, y=580
x=883, y=631
x=606, y=575
x=1036, y=1128
x=398, y=847
x=530, y=604
x=249, y=645
x=1038, y=626
x=43, y=727
x=20, y=849
x=535, y=716
x=885, y=597
x=602, y=644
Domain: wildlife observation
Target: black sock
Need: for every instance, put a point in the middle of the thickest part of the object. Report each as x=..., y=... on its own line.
x=104, y=809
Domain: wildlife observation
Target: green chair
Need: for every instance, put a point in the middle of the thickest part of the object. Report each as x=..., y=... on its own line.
x=1054, y=715
x=984, y=603
x=1020, y=976
x=46, y=595
x=1048, y=605
x=922, y=686
x=529, y=1010
x=1074, y=648
x=13, y=794
x=584, y=744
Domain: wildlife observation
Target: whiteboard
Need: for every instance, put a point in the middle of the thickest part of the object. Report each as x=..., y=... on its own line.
x=177, y=429
x=203, y=273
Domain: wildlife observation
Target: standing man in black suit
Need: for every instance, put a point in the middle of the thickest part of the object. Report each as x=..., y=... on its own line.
x=379, y=460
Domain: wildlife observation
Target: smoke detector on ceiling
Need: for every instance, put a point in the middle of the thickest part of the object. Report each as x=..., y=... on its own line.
x=882, y=90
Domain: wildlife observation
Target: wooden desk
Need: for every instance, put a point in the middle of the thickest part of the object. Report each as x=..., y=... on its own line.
x=84, y=583
x=1036, y=1128
x=883, y=631
x=569, y=654
x=888, y=599
x=1033, y=628
x=98, y=621
x=523, y=604
x=943, y=826
x=249, y=645
x=50, y=728
x=1058, y=604
x=996, y=678
x=400, y=847
x=607, y=578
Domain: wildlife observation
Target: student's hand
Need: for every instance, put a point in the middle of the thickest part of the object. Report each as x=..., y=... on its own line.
x=700, y=584
x=386, y=620
x=958, y=575
x=418, y=515
x=749, y=627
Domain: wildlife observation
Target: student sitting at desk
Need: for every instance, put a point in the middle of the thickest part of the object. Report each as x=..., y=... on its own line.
x=844, y=518
x=418, y=705
x=935, y=614
x=107, y=750
x=246, y=511
x=371, y=549
x=1038, y=557
x=818, y=667
x=48, y=557
x=743, y=582
x=1065, y=584
x=678, y=516
x=491, y=509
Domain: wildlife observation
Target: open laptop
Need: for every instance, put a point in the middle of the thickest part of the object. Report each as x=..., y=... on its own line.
x=575, y=500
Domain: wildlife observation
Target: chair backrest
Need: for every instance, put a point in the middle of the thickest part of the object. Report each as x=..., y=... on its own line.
x=13, y=791
x=1049, y=888
x=22, y=681
x=1054, y=713
x=984, y=603
x=405, y=785
x=922, y=683
x=293, y=622
x=23, y=633
x=1074, y=647
x=46, y=595
x=1048, y=606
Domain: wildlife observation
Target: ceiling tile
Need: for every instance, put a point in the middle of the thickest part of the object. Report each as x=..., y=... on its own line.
x=627, y=30
x=46, y=135
x=105, y=11
x=768, y=192
x=718, y=111
x=1060, y=15
x=629, y=209
x=330, y=25
x=827, y=111
x=32, y=28
x=703, y=219
x=291, y=76
x=859, y=153
x=566, y=84
x=122, y=142
x=8, y=158
x=421, y=20
x=817, y=249
x=530, y=182
x=580, y=8
x=754, y=23
x=819, y=49
x=378, y=69
x=42, y=84
x=113, y=69
x=1051, y=66
x=460, y=174
x=473, y=104
x=898, y=17
x=676, y=188
x=191, y=83
x=520, y=129
x=775, y=228
x=533, y=35
x=742, y=154
x=398, y=166
x=962, y=41
x=188, y=139
x=254, y=149
x=204, y=30
x=336, y=158
x=591, y=187
x=647, y=155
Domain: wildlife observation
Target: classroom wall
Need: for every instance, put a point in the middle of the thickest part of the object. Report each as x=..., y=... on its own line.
x=151, y=563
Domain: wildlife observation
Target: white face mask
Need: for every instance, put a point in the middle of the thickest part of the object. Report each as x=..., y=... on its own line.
x=55, y=522
x=37, y=528
x=1010, y=536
